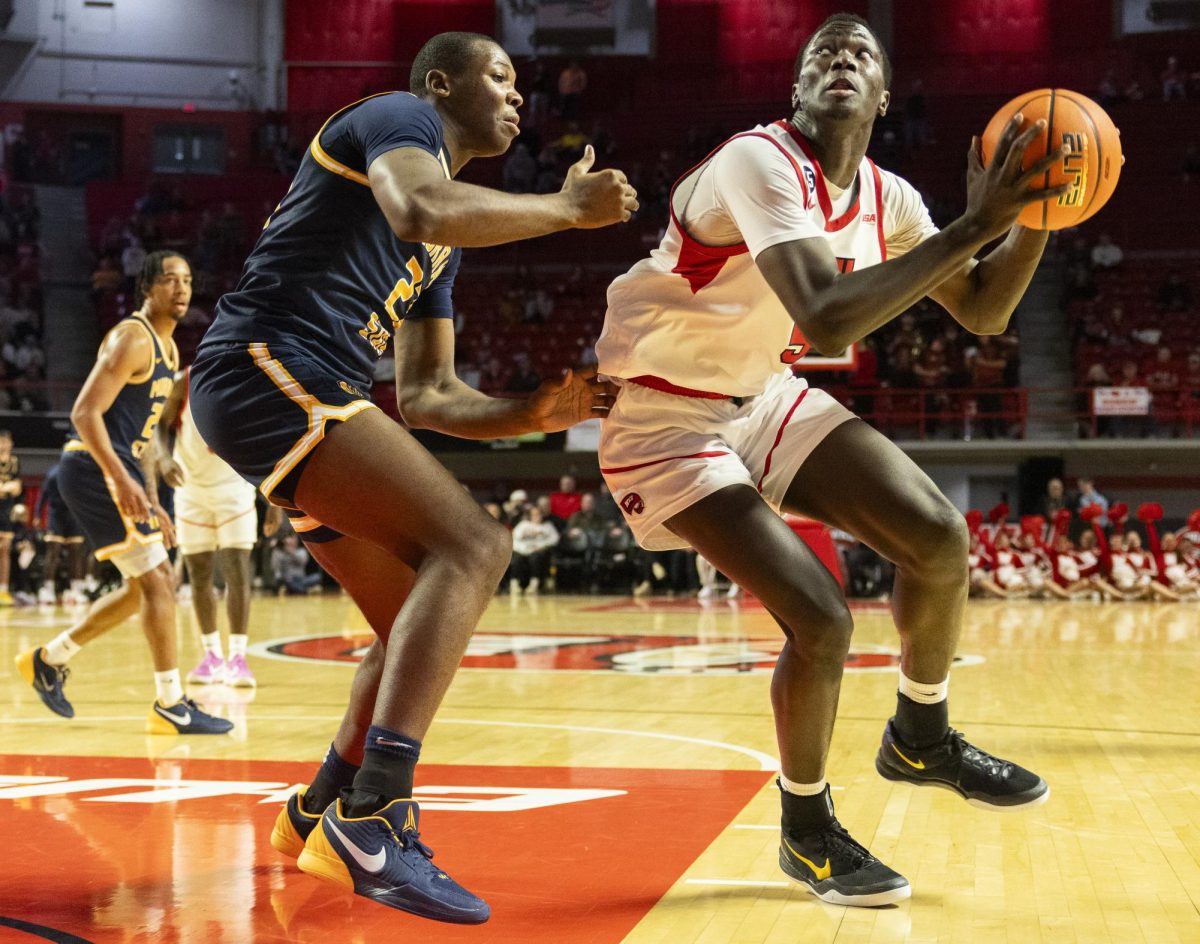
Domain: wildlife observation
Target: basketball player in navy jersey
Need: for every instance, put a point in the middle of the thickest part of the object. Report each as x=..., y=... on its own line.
x=789, y=237
x=364, y=246
x=102, y=481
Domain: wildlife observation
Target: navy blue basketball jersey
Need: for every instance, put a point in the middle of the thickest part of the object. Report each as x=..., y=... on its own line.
x=133, y=416
x=328, y=274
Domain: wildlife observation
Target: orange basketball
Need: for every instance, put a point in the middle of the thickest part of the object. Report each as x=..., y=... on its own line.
x=1092, y=164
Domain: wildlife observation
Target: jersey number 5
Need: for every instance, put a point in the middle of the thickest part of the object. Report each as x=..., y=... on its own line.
x=798, y=345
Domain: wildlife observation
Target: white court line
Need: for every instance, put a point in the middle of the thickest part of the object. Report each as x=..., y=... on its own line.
x=765, y=761
x=737, y=882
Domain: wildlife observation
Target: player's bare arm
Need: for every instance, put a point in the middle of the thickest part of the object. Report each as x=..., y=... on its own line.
x=421, y=204
x=836, y=310
x=127, y=353
x=430, y=394
x=165, y=466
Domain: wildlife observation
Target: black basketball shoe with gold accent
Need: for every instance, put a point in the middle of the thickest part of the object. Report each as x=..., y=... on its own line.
x=953, y=764
x=837, y=869
x=828, y=860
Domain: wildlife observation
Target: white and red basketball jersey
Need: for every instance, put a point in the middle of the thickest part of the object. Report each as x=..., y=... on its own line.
x=697, y=314
x=202, y=468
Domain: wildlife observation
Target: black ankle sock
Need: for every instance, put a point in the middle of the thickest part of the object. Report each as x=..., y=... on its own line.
x=334, y=774
x=921, y=725
x=805, y=814
x=389, y=761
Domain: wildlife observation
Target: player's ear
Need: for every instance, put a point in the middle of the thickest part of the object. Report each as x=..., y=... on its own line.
x=437, y=82
x=795, y=95
x=884, y=101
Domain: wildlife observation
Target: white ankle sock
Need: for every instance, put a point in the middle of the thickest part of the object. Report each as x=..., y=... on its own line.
x=924, y=693
x=212, y=644
x=237, y=644
x=801, y=789
x=168, y=686
x=60, y=649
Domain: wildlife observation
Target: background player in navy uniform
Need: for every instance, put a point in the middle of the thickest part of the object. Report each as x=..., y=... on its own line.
x=101, y=479
x=359, y=249
x=10, y=491
x=62, y=533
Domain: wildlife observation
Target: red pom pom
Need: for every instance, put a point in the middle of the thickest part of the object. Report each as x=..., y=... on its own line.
x=1150, y=511
x=1062, y=516
x=998, y=514
x=1091, y=512
x=1033, y=524
x=1194, y=520
x=974, y=520
x=1118, y=512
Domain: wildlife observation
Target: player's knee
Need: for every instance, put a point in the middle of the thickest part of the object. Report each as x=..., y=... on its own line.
x=495, y=549
x=940, y=540
x=157, y=584
x=822, y=633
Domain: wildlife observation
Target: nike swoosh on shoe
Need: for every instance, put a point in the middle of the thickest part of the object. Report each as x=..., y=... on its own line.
x=182, y=720
x=372, y=863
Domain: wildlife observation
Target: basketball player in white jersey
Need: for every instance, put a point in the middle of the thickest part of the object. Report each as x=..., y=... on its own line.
x=215, y=520
x=787, y=237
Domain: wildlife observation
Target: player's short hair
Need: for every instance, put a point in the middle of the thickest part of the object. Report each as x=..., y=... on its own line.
x=846, y=21
x=152, y=268
x=5, y=434
x=449, y=52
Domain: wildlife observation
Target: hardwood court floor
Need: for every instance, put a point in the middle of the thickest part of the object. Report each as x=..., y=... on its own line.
x=600, y=771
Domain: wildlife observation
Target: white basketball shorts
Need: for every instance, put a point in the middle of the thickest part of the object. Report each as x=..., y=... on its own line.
x=662, y=452
x=210, y=518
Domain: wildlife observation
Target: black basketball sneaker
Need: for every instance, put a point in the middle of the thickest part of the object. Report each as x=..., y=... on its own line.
x=953, y=764
x=838, y=869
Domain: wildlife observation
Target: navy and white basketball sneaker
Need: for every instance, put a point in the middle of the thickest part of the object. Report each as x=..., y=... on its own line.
x=184, y=717
x=381, y=857
x=47, y=680
x=293, y=825
x=954, y=764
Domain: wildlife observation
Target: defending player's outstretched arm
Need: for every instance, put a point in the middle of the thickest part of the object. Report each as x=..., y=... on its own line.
x=836, y=310
x=422, y=205
x=430, y=394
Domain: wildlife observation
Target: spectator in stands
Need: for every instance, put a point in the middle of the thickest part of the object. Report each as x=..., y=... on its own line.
x=1163, y=381
x=132, y=258
x=1055, y=499
x=585, y=520
x=1190, y=166
x=1174, y=81
x=1089, y=496
x=289, y=561
x=567, y=500
x=603, y=142
x=533, y=540
x=568, y=146
x=520, y=170
x=106, y=279
x=1106, y=254
x=548, y=516
x=513, y=510
x=916, y=127
x=987, y=368
x=1174, y=294
x=539, y=306
x=539, y=94
x=572, y=82
x=899, y=368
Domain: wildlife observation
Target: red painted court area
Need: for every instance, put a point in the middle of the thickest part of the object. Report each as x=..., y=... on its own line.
x=131, y=850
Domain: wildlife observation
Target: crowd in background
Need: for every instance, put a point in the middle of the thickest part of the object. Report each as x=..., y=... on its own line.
x=22, y=351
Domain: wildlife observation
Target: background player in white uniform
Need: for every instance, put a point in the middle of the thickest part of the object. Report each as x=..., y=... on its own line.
x=787, y=237
x=215, y=519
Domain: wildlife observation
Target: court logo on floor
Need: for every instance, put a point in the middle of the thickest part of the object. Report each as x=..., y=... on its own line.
x=636, y=655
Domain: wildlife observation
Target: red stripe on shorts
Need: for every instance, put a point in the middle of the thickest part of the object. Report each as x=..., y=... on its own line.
x=779, y=436
x=665, y=386
x=642, y=465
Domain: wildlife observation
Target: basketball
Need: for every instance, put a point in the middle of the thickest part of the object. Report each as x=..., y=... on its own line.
x=1092, y=164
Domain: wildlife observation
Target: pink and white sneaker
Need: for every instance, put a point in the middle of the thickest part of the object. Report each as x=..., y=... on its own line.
x=238, y=674
x=210, y=671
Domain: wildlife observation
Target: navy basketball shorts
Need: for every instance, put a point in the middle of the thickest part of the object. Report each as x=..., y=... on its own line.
x=264, y=409
x=134, y=547
x=6, y=510
x=61, y=526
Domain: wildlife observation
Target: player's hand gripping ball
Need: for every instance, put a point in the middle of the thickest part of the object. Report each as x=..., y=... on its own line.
x=1092, y=162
